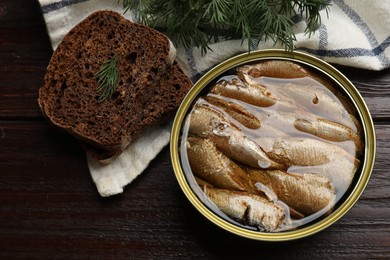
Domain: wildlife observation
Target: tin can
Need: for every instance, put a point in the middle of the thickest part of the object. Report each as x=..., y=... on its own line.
x=342, y=84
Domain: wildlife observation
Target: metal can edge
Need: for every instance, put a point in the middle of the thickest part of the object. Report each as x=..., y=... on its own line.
x=322, y=66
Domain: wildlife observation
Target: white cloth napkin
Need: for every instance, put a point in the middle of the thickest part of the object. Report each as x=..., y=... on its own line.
x=353, y=33
x=110, y=179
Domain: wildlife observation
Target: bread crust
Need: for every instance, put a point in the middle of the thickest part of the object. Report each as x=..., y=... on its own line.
x=69, y=99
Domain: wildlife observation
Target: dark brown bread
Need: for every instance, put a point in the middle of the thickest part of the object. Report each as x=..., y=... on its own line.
x=144, y=93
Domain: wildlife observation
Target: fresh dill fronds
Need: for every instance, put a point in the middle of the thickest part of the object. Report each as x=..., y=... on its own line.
x=201, y=22
x=107, y=78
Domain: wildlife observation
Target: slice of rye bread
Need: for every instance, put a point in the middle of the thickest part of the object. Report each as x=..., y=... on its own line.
x=159, y=105
x=69, y=97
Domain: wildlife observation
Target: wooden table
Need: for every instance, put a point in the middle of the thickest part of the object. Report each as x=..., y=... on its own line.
x=49, y=206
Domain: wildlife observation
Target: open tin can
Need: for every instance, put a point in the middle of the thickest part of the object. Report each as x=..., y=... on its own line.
x=291, y=224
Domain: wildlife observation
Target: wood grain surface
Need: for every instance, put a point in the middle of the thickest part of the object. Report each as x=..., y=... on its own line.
x=49, y=206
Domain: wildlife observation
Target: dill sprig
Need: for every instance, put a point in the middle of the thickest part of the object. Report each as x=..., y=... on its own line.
x=107, y=78
x=200, y=22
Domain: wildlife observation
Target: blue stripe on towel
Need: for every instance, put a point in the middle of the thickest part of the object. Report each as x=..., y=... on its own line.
x=195, y=75
x=376, y=47
x=352, y=52
x=323, y=31
x=296, y=18
x=58, y=5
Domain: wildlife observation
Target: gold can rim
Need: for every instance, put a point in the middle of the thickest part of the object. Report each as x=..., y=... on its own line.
x=324, y=68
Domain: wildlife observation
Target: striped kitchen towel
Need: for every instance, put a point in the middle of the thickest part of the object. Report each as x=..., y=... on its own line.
x=353, y=33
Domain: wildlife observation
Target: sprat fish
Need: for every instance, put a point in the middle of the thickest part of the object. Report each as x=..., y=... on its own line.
x=208, y=122
x=247, y=208
x=306, y=193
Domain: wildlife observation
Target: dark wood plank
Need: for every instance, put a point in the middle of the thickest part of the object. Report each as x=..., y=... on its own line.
x=46, y=187
x=49, y=207
x=25, y=51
